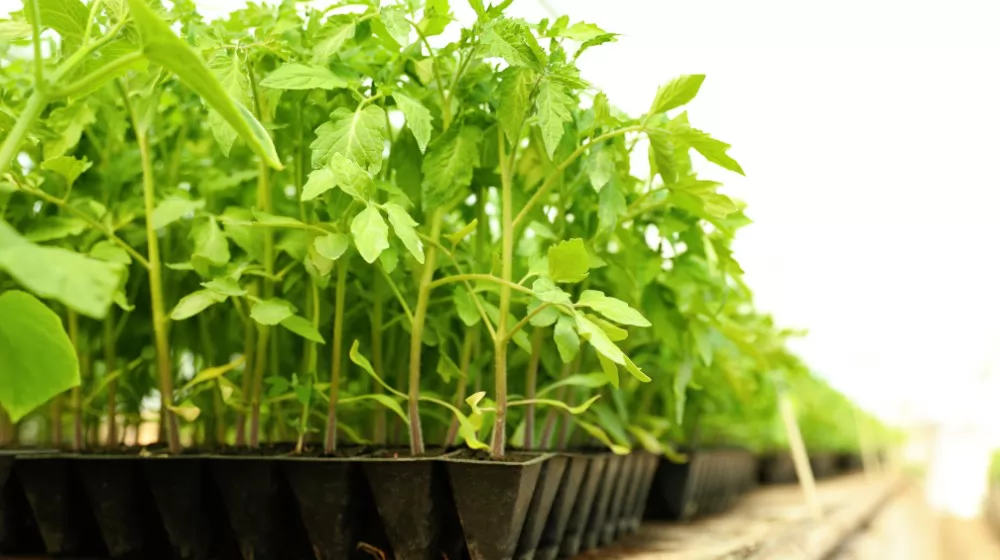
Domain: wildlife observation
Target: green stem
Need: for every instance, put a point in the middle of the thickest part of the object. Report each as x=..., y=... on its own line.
x=532, y=384
x=55, y=419
x=379, y=435
x=463, y=382
x=12, y=143
x=36, y=45
x=311, y=355
x=416, y=337
x=74, y=338
x=110, y=359
x=550, y=181
x=507, y=269
x=330, y=442
x=249, y=343
x=97, y=76
x=166, y=380
x=503, y=282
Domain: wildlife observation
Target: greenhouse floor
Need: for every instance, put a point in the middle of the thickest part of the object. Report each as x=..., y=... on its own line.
x=771, y=522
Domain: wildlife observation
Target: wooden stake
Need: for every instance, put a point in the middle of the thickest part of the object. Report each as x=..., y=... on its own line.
x=799, y=456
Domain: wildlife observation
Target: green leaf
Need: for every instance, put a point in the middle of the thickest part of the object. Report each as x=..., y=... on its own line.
x=582, y=32
x=515, y=99
x=302, y=327
x=512, y=41
x=271, y=311
x=384, y=400
x=66, y=17
x=362, y=362
x=393, y=20
x=211, y=374
x=587, y=380
x=567, y=341
x=568, y=261
x=679, y=91
x=466, y=428
x=68, y=167
x=461, y=234
x=351, y=178
x=579, y=409
x=437, y=16
x=194, y=303
x=164, y=48
x=84, y=284
x=466, y=308
x=37, y=359
x=446, y=368
x=210, y=243
x=610, y=370
x=359, y=135
x=331, y=42
x=55, y=227
x=11, y=30
x=293, y=76
x=404, y=226
x=600, y=167
x=320, y=181
x=273, y=220
x=418, y=118
x=449, y=165
x=226, y=286
x=331, y=246
x=232, y=76
x=612, y=308
x=602, y=436
x=554, y=106
x=108, y=251
x=68, y=123
x=711, y=149
x=371, y=234
x=174, y=208
x=546, y=290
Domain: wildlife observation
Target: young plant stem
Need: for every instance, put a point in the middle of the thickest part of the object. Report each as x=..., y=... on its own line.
x=264, y=203
x=507, y=269
x=55, y=419
x=531, y=385
x=545, y=438
x=73, y=326
x=279, y=421
x=416, y=337
x=310, y=366
x=379, y=428
x=330, y=441
x=110, y=359
x=160, y=326
x=249, y=332
x=463, y=382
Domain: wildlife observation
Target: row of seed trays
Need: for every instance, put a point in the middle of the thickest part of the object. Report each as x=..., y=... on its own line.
x=375, y=286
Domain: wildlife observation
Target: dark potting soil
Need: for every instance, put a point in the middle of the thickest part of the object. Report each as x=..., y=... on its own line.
x=492, y=498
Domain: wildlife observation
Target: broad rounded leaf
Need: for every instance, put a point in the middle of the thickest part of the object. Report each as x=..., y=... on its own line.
x=418, y=118
x=404, y=226
x=371, y=234
x=194, y=303
x=302, y=327
x=331, y=246
x=271, y=311
x=568, y=261
x=37, y=359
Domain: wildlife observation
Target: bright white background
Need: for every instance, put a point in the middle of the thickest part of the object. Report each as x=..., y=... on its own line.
x=870, y=134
